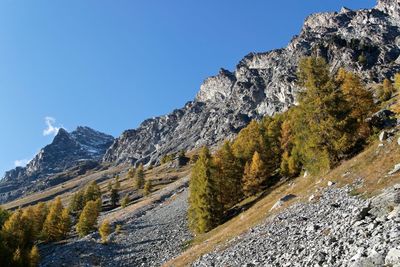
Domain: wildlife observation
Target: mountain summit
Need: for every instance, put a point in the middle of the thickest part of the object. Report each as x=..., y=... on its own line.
x=364, y=41
x=67, y=150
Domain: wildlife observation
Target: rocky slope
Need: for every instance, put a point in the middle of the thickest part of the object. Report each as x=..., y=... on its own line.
x=334, y=230
x=77, y=151
x=150, y=236
x=366, y=41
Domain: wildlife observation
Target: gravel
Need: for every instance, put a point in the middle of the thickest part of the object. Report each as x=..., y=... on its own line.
x=336, y=230
x=149, y=237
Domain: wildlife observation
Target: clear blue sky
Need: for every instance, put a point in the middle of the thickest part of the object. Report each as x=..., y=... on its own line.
x=111, y=64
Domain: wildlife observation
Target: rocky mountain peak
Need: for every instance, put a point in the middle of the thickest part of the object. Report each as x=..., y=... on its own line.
x=265, y=83
x=67, y=150
x=391, y=7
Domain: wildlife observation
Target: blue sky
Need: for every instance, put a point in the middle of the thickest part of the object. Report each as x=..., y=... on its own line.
x=111, y=64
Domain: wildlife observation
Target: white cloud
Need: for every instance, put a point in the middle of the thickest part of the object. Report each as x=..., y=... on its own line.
x=51, y=128
x=21, y=162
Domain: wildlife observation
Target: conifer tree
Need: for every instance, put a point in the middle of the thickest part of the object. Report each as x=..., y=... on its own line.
x=39, y=214
x=53, y=226
x=92, y=192
x=4, y=215
x=205, y=212
x=34, y=257
x=397, y=81
x=65, y=223
x=249, y=140
x=114, y=197
x=360, y=100
x=125, y=201
x=88, y=219
x=117, y=184
x=139, y=180
x=147, y=187
x=323, y=125
x=228, y=176
x=17, y=231
x=254, y=175
x=77, y=202
x=290, y=162
x=105, y=230
x=131, y=173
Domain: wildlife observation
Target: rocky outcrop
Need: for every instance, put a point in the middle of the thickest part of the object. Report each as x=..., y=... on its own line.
x=366, y=41
x=81, y=148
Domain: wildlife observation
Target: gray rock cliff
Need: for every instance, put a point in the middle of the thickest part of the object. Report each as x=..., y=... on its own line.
x=366, y=41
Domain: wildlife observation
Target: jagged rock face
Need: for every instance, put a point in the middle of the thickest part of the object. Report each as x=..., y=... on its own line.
x=364, y=41
x=66, y=151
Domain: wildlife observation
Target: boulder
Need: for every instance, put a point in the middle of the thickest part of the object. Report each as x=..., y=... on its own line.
x=383, y=136
x=395, y=169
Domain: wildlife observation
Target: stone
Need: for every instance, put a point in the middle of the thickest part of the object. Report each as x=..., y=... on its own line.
x=383, y=136
x=398, y=141
x=395, y=169
x=281, y=201
x=330, y=183
x=393, y=256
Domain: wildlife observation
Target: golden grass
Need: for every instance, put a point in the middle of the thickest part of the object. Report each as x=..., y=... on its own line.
x=372, y=166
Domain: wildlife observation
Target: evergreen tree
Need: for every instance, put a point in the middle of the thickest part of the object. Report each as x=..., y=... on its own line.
x=139, y=181
x=147, y=187
x=117, y=184
x=53, y=227
x=397, y=81
x=228, y=176
x=65, y=223
x=131, y=173
x=92, y=192
x=39, y=214
x=249, y=140
x=290, y=162
x=360, y=100
x=204, y=212
x=125, y=201
x=34, y=257
x=105, y=230
x=324, y=128
x=88, y=219
x=4, y=215
x=77, y=202
x=18, y=232
x=254, y=175
x=114, y=197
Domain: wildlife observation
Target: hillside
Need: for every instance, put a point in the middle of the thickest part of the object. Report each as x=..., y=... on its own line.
x=309, y=174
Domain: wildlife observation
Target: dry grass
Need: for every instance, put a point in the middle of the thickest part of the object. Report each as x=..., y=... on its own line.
x=372, y=166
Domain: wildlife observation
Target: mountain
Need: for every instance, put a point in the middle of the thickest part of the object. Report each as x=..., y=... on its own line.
x=82, y=149
x=366, y=41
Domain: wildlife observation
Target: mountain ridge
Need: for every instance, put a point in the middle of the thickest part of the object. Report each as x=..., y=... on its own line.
x=81, y=147
x=365, y=41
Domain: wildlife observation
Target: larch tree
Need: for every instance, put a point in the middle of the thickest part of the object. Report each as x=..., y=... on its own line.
x=104, y=231
x=254, y=176
x=139, y=180
x=205, y=212
x=52, y=227
x=228, y=176
x=88, y=219
x=323, y=125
